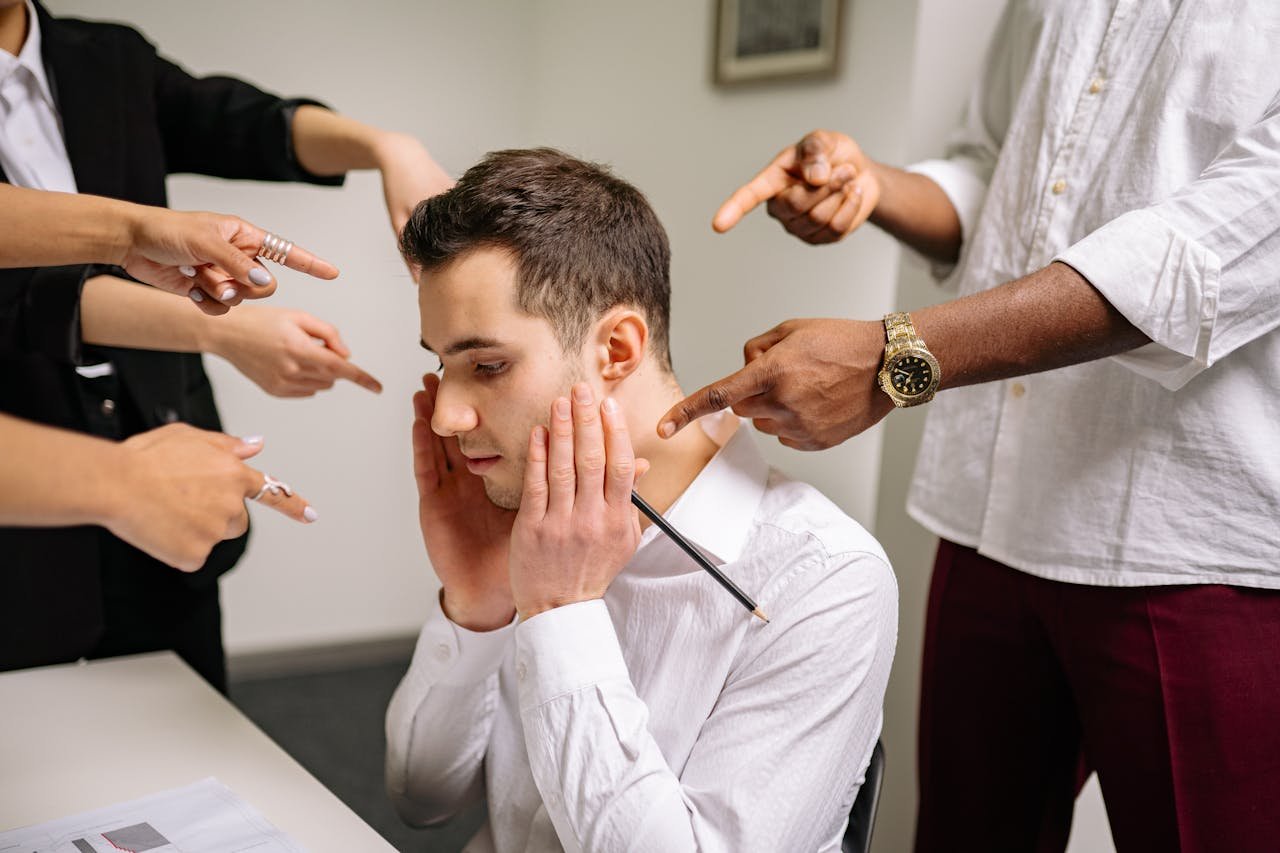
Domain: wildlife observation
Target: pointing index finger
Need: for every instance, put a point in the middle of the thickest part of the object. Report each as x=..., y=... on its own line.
x=770, y=181
x=751, y=380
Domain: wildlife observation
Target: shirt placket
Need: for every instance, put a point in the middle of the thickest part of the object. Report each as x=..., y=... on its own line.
x=1058, y=201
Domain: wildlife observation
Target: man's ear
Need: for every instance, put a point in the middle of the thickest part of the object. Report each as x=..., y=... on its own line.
x=621, y=342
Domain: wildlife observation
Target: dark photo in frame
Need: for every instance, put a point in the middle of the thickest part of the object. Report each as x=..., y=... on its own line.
x=775, y=39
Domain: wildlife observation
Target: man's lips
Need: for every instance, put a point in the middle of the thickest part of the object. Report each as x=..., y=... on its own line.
x=480, y=464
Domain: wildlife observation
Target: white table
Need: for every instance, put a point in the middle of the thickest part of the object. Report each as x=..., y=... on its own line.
x=83, y=736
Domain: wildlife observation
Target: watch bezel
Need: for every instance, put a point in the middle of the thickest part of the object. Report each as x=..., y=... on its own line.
x=898, y=397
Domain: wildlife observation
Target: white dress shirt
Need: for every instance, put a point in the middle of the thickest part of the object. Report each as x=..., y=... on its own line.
x=32, y=151
x=1138, y=142
x=664, y=717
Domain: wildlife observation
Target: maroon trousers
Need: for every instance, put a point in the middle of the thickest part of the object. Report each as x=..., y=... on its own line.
x=1172, y=694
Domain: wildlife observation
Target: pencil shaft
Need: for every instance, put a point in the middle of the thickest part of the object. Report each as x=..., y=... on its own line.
x=686, y=546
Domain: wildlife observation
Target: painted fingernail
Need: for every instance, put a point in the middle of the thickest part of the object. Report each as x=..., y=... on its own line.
x=562, y=409
x=582, y=393
x=310, y=514
x=228, y=293
x=610, y=405
x=252, y=439
x=667, y=429
x=259, y=276
x=196, y=294
x=189, y=272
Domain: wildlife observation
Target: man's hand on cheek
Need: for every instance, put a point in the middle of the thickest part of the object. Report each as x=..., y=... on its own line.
x=466, y=535
x=576, y=527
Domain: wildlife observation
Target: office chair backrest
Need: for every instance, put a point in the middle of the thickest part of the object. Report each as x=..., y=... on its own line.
x=862, y=817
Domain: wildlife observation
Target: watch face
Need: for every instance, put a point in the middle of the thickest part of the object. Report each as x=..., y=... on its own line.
x=911, y=375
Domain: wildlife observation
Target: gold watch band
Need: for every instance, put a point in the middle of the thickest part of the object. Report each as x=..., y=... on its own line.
x=898, y=328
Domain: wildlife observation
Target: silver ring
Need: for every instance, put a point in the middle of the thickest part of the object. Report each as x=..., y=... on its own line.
x=274, y=486
x=275, y=248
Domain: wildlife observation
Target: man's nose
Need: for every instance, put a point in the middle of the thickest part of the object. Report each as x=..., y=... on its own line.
x=453, y=415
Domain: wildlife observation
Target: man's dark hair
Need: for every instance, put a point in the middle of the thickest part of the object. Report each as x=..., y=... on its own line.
x=584, y=240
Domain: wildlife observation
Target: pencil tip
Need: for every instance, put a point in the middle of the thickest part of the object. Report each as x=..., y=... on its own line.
x=758, y=613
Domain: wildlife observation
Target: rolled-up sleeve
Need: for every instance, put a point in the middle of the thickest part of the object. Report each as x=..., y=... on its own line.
x=964, y=172
x=1199, y=272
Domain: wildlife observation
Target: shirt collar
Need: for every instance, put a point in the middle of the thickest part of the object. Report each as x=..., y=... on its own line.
x=29, y=57
x=717, y=509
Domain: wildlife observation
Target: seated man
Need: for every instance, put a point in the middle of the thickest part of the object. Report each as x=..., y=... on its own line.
x=598, y=687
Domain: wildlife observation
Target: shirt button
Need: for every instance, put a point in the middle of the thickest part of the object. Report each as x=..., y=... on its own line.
x=108, y=407
x=1017, y=389
x=521, y=671
x=1095, y=85
x=443, y=651
x=1059, y=186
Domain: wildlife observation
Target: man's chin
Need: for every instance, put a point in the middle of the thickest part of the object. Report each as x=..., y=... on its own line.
x=506, y=497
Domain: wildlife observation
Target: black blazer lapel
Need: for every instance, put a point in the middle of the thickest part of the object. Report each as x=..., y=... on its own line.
x=84, y=75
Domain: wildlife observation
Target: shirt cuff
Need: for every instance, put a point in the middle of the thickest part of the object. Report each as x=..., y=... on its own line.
x=565, y=649
x=967, y=193
x=447, y=653
x=1164, y=283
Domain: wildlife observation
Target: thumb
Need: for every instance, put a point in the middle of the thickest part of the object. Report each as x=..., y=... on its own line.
x=326, y=332
x=813, y=153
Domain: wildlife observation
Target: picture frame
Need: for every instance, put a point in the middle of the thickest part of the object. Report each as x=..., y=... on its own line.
x=758, y=40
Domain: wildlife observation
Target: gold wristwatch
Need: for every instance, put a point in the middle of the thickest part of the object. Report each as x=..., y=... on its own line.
x=910, y=374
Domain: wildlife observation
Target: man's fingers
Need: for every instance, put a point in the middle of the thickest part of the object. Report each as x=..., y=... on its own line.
x=279, y=497
x=423, y=410
x=588, y=445
x=622, y=470
x=561, y=475
x=533, y=501
x=747, y=382
x=426, y=469
x=770, y=181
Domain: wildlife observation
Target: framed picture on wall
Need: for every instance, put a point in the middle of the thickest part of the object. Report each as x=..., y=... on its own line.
x=773, y=39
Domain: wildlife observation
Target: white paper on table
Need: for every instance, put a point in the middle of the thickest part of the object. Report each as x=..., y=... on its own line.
x=205, y=817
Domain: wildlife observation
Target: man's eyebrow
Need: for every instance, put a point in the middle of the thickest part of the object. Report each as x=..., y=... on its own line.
x=463, y=345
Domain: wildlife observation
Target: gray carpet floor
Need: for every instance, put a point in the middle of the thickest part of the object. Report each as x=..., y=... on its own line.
x=331, y=722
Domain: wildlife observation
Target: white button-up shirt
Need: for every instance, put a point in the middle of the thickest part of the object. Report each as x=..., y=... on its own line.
x=32, y=151
x=1140, y=143
x=664, y=717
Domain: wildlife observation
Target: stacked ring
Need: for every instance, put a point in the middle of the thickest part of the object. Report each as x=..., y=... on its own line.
x=275, y=248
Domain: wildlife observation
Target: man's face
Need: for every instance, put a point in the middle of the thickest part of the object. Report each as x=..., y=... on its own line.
x=502, y=367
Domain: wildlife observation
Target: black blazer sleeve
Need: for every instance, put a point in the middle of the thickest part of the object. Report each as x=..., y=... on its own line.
x=226, y=128
x=40, y=312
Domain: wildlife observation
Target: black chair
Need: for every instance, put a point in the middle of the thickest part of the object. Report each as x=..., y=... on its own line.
x=862, y=817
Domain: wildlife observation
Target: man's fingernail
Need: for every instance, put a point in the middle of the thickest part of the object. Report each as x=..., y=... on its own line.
x=196, y=294
x=259, y=276
x=582, y=393
x=189, y=272
x=252, y=439
x=562, y=408
x=667, y=429
x=610, y=405
x=310, y=514
x=228, y=293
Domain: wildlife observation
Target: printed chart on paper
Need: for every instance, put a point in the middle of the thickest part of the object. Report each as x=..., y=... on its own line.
x=202, y=818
